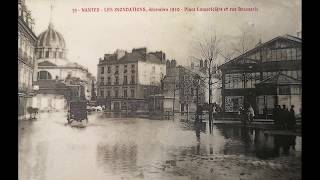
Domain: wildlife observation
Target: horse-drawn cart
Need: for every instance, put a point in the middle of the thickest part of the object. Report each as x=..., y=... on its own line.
x=77, y=113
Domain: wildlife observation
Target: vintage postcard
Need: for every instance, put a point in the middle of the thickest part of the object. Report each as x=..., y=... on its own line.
x=159, y=89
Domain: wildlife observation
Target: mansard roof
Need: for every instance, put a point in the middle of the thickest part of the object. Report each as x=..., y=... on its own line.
x=133, y=57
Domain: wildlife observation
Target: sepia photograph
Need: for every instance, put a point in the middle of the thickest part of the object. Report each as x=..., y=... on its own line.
x=159, y=89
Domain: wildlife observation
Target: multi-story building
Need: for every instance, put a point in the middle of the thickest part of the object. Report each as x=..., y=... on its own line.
x=179, y=88
x=26, y=60
x=54, y=67
x=265, y=76
x=202, y=68
x=126, y=79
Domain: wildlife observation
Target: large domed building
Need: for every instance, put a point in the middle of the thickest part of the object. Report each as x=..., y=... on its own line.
x=52, y=59
x=55, y=71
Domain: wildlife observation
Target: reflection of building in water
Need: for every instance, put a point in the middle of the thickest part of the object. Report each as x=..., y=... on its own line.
x=118, y=158
x=258, y=142
x=30, y=149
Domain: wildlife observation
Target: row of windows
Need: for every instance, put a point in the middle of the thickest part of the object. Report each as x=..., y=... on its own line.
x=283, y=54
x=248, y=80
x=116, y=80
x=25, y=46
x=25, y=78
x=125, y=70
x=241, y=80
x=286, y=90
x=116, y=93
x=49, y=54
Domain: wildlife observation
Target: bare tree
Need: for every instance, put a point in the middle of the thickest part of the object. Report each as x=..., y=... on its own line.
x=208, y=50
x=246, y=40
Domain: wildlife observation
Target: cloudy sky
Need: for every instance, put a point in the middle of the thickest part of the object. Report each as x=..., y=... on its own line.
x=90, y=35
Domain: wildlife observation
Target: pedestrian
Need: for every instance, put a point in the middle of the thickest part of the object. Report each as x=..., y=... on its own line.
x=285, y=116
x=214, y=111
x=242, y=115
x=275, y=115
x=250, y=114
x=292, y=118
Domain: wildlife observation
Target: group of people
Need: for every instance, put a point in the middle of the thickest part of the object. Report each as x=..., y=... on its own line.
x=246, y=115
x=284, y=118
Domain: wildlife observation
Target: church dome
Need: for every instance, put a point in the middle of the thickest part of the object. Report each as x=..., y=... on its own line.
x=51, y=45
x=51, y=39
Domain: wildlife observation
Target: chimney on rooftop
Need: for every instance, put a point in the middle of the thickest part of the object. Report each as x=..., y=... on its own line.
x=120, y=53
x=141, y=51
x=160, y=55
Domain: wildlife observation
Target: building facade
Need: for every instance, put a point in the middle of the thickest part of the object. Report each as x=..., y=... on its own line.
x=125, y=80
x=265, y=76
x=54, y=66
x=26, y=59
x=180, y=88
x=202, y=68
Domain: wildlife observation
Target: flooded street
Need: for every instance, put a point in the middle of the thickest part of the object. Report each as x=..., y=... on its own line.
x=134, y=148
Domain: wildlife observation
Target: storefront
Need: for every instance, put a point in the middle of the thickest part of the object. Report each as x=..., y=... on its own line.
x=279, y=89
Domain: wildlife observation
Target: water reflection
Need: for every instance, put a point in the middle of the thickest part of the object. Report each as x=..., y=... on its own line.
x=259, y=143
x=135, y=148
x=117, y=158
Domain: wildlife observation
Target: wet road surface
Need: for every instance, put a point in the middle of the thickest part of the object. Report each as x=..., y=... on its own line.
x=135, y=148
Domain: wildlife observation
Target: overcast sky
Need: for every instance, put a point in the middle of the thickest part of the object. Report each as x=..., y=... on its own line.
x=90, y=35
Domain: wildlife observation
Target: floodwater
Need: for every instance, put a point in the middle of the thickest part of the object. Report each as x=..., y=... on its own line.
x=135, y=148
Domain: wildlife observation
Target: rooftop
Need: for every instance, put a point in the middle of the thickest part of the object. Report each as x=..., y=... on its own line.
x=139, y=54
